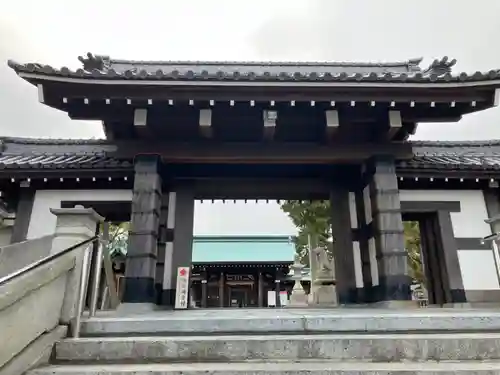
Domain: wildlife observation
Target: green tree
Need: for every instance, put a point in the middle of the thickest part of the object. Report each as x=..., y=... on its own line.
x=413, y=245
x=118, y=238
x=313, y=218
x=310, y=218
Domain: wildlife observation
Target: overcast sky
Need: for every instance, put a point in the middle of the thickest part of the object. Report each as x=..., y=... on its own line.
x=58, y=31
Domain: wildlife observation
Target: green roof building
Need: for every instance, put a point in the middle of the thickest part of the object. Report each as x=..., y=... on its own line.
x=243, y=250
x=240, y=271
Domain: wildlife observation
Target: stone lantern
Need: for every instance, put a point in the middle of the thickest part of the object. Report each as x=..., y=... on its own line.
x=298, y=298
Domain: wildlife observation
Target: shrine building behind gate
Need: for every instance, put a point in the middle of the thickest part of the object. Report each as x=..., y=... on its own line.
x=180, y=131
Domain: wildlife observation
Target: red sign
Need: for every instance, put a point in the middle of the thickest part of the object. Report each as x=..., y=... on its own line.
x=182, y=272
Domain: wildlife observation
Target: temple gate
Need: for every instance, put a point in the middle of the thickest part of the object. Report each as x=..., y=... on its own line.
x=180, y=131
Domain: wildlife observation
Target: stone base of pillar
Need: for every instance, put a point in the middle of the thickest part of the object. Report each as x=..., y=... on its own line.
x=324, y=295
x=366, y=294
x=410, y=304
x=351, y=296
x=468, y=305
x=298, y=298
x=139, y=290
x=158, y=292
x=168, y=298
x=136, y=308
x=393, y=288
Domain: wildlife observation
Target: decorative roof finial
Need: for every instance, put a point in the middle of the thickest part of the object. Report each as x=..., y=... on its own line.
x=92, y=62
x=441, y=67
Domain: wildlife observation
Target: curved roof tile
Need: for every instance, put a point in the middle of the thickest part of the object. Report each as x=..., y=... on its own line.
x=103, y=67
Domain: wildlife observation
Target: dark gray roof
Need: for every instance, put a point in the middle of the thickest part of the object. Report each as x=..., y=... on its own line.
x=469, y=155
x=29, y=153
x=103, y=67
x=26, y=153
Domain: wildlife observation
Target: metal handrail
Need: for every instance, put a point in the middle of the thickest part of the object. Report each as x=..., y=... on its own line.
x=41, y=262
x=100, y=255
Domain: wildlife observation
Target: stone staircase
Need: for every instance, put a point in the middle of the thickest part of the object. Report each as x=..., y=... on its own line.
x=344, y=341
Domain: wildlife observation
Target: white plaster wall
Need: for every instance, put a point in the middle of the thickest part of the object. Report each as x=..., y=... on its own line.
x=467, y=223
x=43, y=222
x=478, y=269
x=477, y=266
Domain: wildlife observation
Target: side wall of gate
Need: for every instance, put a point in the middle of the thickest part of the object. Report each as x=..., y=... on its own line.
x=466, y=210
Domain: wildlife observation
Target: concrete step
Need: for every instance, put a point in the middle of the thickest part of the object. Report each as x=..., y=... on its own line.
x=339, y=347
x=275, y=368
x=272, y=321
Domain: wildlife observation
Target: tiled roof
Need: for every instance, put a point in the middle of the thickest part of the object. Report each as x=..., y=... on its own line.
x=26, y=153
x=103, y=67
x=470, y=155
x=247, y=249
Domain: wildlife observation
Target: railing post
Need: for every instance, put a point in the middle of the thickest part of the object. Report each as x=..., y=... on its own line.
x=73, y=225
x=495, y=241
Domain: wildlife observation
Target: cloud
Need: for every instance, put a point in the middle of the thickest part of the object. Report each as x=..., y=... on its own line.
x=56, y=32
x=385, y=30
x=363, y=30
x=250, y=218
x=21, y=113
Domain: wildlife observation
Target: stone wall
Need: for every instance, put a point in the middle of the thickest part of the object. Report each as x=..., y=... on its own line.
x=37, y=305
x=30, y=307
x=16, y=256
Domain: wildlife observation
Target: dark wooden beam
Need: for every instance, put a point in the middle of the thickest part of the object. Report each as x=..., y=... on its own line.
x=120, y=111
x=262, y=188
x=424, y=94
x=261, y=153
x=342, y=246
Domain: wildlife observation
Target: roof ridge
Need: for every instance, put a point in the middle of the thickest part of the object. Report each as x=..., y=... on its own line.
x=105, y=60
x=412, y=62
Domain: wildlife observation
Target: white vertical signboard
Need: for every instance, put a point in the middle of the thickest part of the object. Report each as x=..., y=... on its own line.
x=283, y=298
x=271, y=298
x=182, y=288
